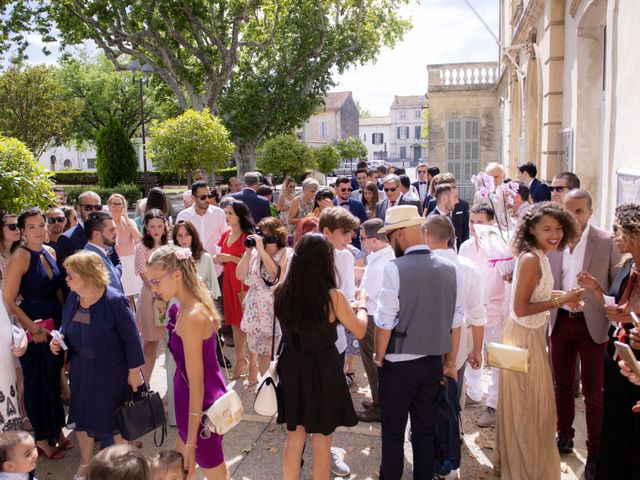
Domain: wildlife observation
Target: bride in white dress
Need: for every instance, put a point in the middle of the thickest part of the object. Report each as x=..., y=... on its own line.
x=9, y=414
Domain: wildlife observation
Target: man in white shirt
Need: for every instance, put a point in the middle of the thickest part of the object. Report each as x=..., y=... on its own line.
x=440, y=237
x=381, y=254
x=209, y=221
x=495, y=290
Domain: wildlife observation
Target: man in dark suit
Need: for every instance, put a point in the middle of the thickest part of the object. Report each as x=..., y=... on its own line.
x=75, y=238
x=101, y=232
x=355, y=207
x=539, y=191
x=446, y=202
x=258, y=206
x=393, y=196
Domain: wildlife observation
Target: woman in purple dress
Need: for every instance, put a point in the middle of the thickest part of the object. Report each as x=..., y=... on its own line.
x=197, y=383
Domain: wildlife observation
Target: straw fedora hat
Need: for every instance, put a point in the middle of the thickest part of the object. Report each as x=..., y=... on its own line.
x=402, y=216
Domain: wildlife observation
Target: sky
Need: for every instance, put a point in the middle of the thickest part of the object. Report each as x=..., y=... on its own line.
x=444, y=31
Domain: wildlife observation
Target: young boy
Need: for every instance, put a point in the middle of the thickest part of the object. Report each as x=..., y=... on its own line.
x=18, y=455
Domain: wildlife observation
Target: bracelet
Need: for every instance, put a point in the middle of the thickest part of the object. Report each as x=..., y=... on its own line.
x=557, y=302
x=193, y=414
x=362, y=308
x=191, y=445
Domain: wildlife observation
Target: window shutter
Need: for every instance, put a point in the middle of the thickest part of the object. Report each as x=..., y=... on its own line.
x=381, y=137
x=398, y=132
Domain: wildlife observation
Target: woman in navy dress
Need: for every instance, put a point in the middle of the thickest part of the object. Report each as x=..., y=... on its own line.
x=33, y=275
x=104, y=350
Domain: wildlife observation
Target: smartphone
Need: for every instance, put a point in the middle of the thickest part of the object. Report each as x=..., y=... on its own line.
x=627, y=355
x=58, y=338
x=636, y=322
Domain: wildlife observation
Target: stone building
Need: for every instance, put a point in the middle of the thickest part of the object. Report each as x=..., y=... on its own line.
x=464, y=126
x=374, y=133
x=568, y=93
x=407, y=142
x=336, y=119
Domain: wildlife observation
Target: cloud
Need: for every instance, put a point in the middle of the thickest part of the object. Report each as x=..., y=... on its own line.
x=444, y=31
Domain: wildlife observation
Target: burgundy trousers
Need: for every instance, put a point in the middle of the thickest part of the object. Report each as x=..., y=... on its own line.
x=571, y=338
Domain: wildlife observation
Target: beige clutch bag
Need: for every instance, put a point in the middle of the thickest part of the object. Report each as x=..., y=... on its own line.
x=509, y=357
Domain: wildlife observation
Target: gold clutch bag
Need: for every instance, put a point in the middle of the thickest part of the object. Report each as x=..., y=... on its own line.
x=508, y=357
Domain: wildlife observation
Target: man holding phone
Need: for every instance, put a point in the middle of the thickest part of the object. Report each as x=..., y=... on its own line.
x=583, y=333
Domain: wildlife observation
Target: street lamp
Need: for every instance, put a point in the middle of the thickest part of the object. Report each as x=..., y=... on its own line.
x=146, y=69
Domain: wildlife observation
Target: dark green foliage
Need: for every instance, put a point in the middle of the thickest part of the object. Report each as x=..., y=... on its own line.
x=116, y=159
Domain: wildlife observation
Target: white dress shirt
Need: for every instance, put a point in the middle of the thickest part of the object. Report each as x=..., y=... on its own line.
x=470, y=292
x=386, y=316
x=423, y=190
x=210, y=227
x=372, y=279
x=572, y=262
x=345, y=278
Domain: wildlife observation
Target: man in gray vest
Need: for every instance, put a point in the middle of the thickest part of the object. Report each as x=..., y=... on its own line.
x=416, y=342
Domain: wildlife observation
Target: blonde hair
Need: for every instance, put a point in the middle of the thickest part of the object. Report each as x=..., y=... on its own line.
x=166, y=256
x=119, y=197
x=89, y=266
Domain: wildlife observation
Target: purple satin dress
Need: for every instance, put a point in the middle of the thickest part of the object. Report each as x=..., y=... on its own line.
x=209, y=452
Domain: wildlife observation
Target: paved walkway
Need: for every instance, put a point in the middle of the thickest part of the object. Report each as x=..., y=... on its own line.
x=253, y=449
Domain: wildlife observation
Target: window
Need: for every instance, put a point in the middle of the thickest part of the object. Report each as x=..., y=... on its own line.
x=403, y=133
x=418, y=113
x=324, y=129
x=403, y=153
x=91, y=163
x=463, y=152
x=418, y=130
x=381, y=155
x=403, y=114
x=364, y=137
x=53, y=162
x=377, y=138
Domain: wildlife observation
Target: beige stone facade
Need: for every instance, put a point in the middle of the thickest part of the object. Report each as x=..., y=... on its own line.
x=336, y=119
x=464, y=119
x=569, y=92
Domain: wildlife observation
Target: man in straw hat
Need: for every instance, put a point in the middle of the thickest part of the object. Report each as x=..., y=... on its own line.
x=416, y=341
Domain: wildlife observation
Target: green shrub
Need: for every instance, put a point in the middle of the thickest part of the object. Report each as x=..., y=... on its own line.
x=132, y=193
x=116, y=159
x=226, y=173
x=75, y=177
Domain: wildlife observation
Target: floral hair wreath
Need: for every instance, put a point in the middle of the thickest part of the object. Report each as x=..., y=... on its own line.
x=183, y=253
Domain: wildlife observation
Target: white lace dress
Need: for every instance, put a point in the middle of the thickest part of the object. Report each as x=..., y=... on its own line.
x=526, y=414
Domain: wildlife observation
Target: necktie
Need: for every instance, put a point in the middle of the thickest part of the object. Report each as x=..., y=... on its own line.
x=393, y=202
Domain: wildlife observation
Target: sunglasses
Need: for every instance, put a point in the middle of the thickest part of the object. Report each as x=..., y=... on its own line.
x=346, y=190
x=202, y=198
x=88, y=208
x=558, y=189
x=156, y=281
x=11, y=226
x=392, y=189
x=51, y=221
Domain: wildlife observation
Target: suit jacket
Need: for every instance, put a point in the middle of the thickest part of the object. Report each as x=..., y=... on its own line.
x=115, y=271
x=258, y=206
x=459, y=219
x=601, y=259
x=357, y=210
x=539, y=191
x=423, y=204
x=381, y=208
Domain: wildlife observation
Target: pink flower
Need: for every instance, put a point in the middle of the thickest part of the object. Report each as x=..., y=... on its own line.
x=183, y=253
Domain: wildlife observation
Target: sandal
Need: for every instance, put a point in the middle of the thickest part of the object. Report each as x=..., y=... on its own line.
x=350, y=377
x=66, y=445
x=241, y=370
x=79, y=475
x=56, y=454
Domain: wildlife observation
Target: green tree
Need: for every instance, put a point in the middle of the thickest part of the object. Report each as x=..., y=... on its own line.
x=352, y=148
x=284, y=154
x=105, y=93
x=24, y=183
x=326, y=158
x=364, y=113
x=116, y=159
x=190, y=141
x=20, y=18
x=32, y=108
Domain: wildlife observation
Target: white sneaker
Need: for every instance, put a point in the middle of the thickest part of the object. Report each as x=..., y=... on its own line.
x=338, y=467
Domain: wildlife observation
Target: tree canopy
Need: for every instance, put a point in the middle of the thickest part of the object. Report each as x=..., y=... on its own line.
x=326, y=158
x=284, y=154
x=24, y=183
x=32, y=108
x=190, y=141
x=352, y=148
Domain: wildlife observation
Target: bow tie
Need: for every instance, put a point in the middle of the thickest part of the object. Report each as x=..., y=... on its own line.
x=422, y=183
x=344, y=203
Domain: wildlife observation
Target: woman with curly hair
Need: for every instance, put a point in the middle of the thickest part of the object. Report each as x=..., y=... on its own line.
x=526, y=413
x=620, y=437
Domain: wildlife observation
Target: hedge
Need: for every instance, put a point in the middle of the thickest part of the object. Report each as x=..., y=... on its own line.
x=90, y=177
x=132, y=193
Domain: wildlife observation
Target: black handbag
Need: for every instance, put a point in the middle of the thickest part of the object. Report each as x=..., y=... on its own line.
x=142, y=413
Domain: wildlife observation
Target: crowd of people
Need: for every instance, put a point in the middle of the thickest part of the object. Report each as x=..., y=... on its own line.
x=324, y=274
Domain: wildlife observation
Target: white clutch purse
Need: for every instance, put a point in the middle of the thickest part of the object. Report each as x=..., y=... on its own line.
x=508, y=357
x=225, y=413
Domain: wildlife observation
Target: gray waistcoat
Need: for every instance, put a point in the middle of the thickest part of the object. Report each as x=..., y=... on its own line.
x=427, y=303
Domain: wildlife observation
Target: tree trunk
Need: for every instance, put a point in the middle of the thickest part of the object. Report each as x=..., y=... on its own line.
x=245, y=156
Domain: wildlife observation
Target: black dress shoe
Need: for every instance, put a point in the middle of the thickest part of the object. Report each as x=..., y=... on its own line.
x=591, y=466
x=565, y=445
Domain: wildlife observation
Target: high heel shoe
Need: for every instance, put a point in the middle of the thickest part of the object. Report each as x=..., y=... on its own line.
x=65, y=445
x=79, y=475
x=56, y=454
x=241, y=370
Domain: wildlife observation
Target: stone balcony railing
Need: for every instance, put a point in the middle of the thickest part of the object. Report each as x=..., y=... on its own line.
x=463, y=76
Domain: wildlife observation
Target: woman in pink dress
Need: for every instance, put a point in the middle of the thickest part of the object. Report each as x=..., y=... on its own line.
x=128, y=237
x=155, y=235
x=232, y=249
